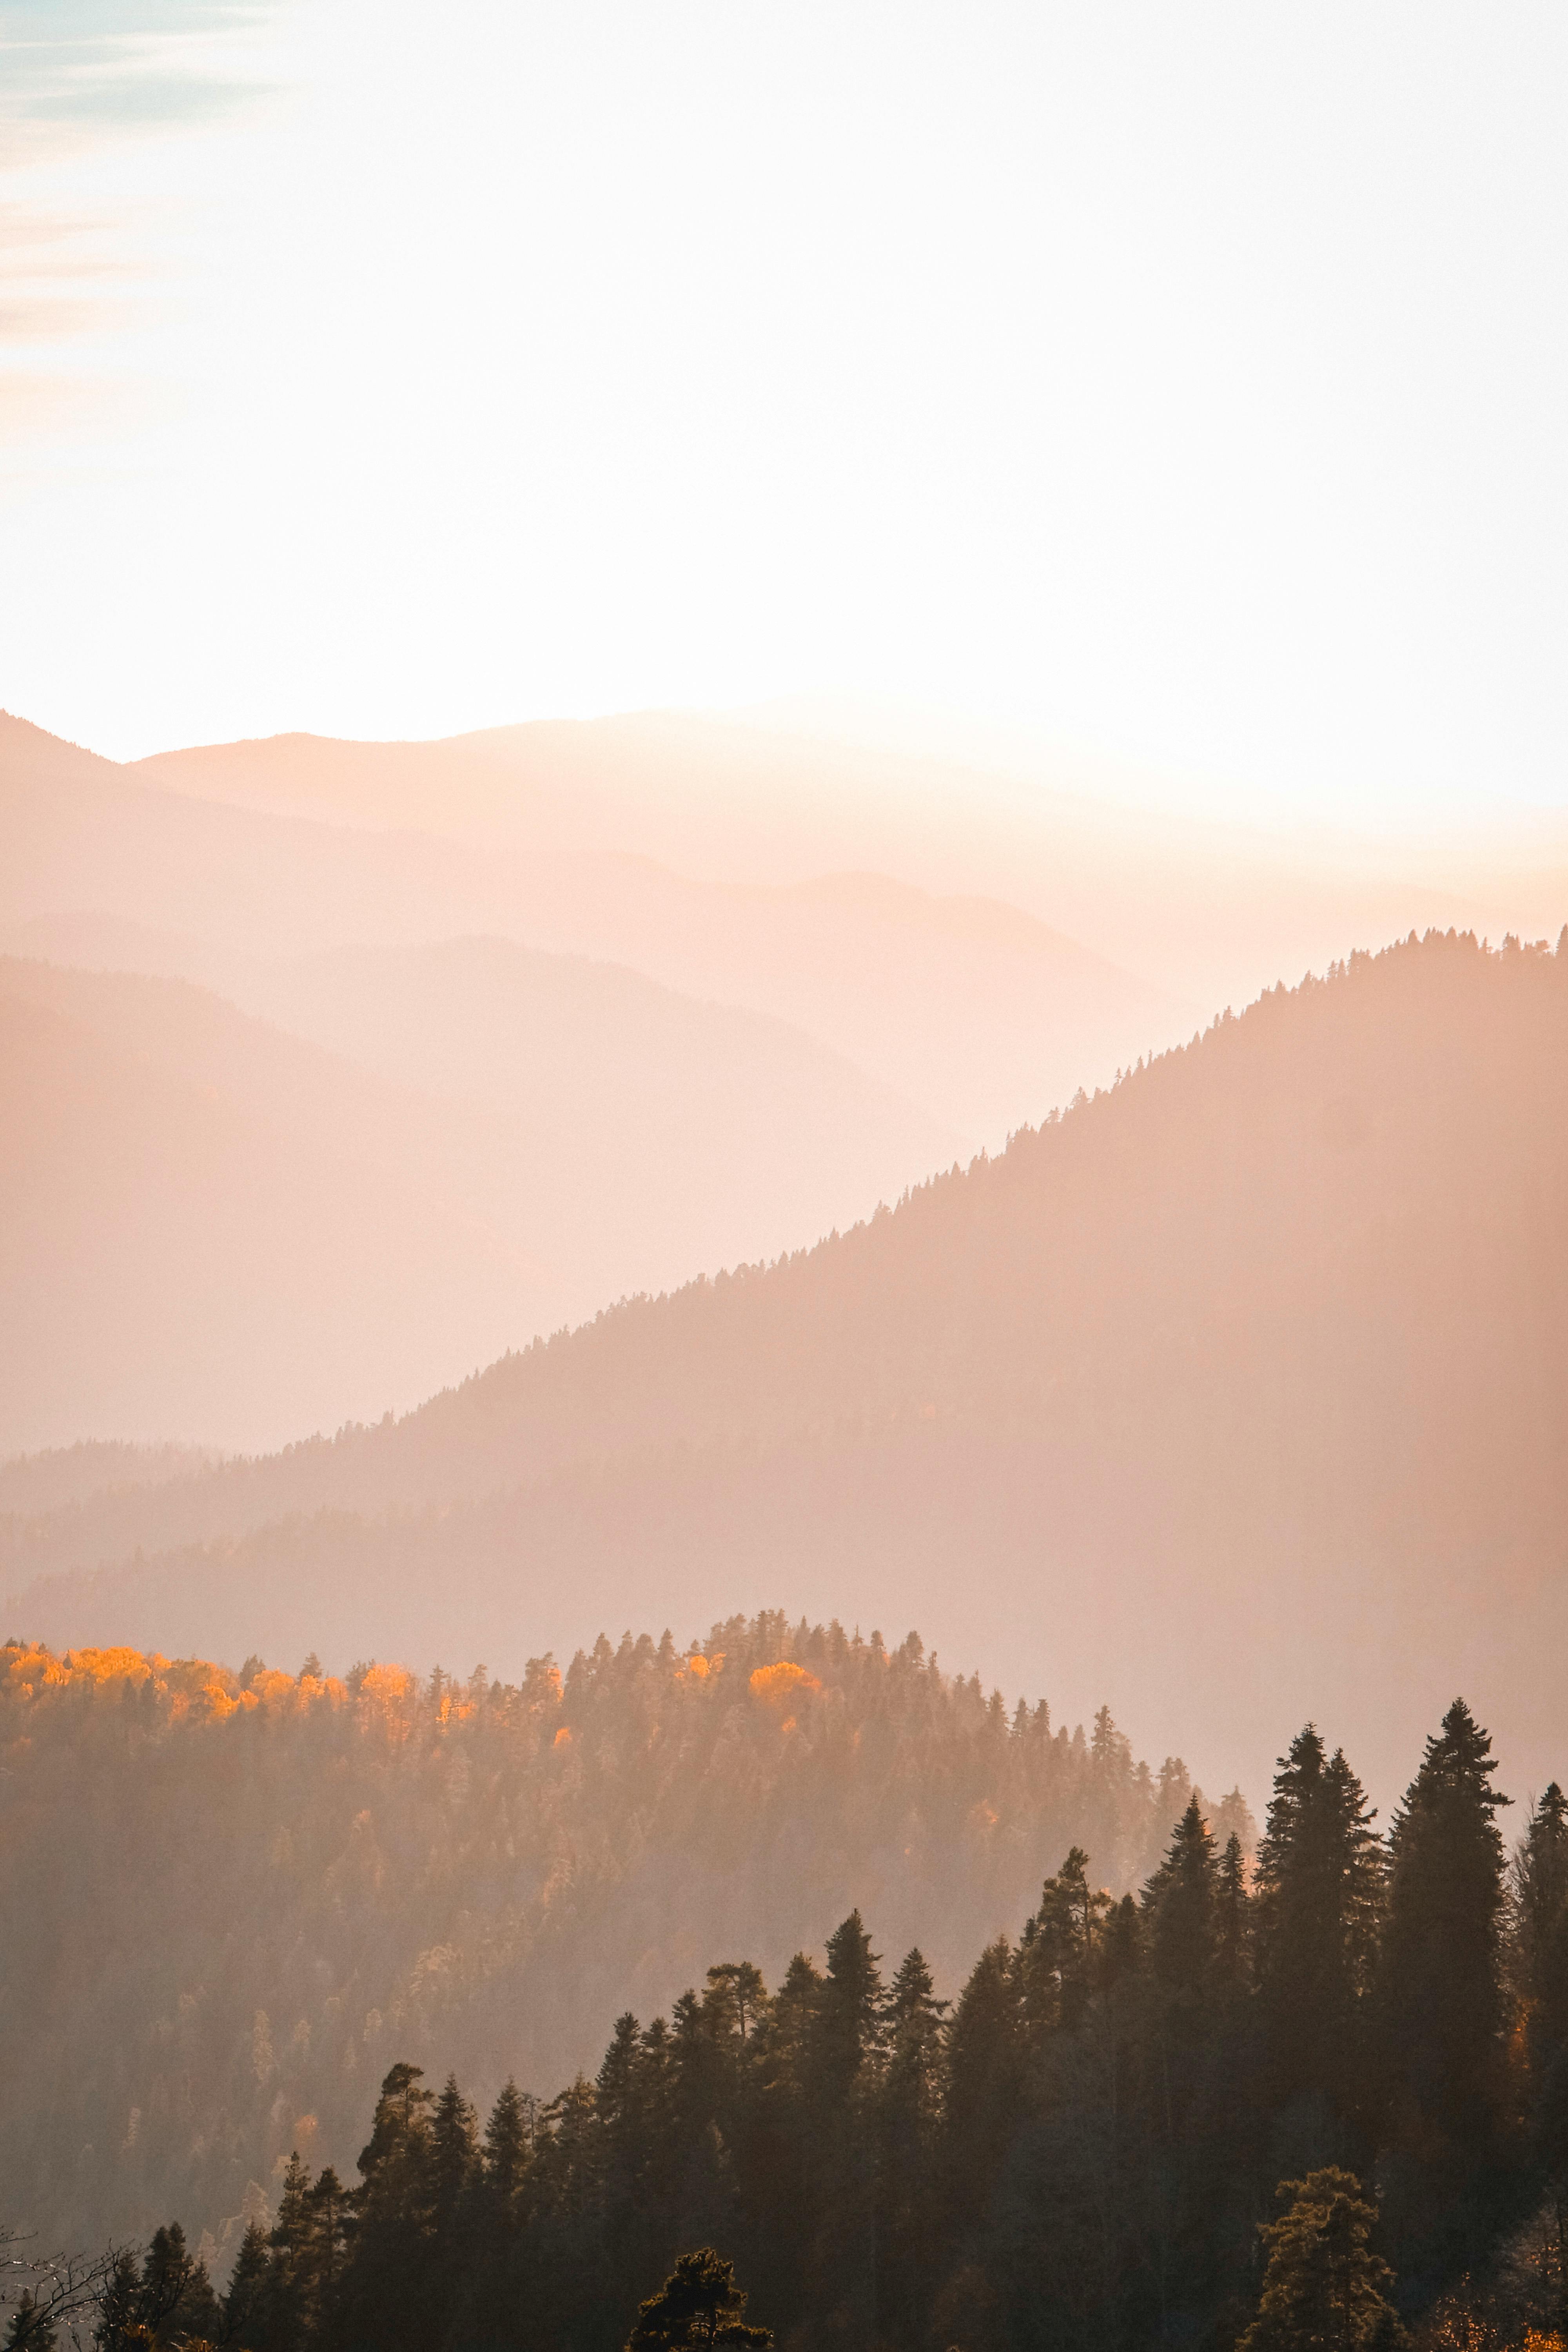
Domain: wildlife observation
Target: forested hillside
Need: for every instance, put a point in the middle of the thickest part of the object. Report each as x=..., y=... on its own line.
x=1356, y=2047
x=1242, y=1378
x=235, y=1897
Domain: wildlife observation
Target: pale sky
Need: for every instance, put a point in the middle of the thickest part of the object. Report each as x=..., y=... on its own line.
x=1188, y=382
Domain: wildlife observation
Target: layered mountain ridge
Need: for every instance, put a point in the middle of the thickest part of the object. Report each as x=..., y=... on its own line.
x=1250, y=1371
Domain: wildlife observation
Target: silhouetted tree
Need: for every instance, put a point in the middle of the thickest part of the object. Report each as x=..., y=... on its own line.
x=698, y=2305
x=1442, y=1956
x=31, y=2327
x=1315, y=1925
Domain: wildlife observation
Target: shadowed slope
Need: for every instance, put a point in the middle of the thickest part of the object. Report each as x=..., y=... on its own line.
x=1253, y=1371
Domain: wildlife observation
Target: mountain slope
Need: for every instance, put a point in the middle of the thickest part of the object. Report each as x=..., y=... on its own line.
x=178, y=1255
x=1253, y=1371
x=507, y=1089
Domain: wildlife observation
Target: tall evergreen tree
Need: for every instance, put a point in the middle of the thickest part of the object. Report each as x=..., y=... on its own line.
x=1233, y=1921
x=1184, y=1900
x=452, y=2161
x=506, y=2148
x=983, y=2087
x=1055, y=1961
x=327, y=2246
x=909, y=2113
x=1442, y=1965
x=849, y=2010
x=286, y=2302
x=388, y=2278
x=118, y=2312
x=1315, y=1917
x=1540, y=1930
x=736, y=1997
x=245, y=2298
x=31, y=2326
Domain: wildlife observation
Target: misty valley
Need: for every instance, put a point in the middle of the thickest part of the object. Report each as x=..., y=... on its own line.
x=1015, y=1527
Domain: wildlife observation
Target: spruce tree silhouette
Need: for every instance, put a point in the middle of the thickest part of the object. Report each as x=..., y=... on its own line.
x=31, y=2328
x=1315, y=1925
x=699, y=2304
x=1442, y=1951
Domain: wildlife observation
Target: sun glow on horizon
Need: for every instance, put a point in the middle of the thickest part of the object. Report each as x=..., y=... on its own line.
x=1186, y=390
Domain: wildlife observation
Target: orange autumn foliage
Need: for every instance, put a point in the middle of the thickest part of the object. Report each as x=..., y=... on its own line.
x=781, y=1684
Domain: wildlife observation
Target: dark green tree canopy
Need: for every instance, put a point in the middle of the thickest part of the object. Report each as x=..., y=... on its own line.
x=1442, y=1957
x=698, y=2305
x=1324, y=2288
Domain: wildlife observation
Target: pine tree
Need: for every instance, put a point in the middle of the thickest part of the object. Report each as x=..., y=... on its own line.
x=1315, y=1919
x=908, y=2111
x=1120, y=1945
x=1323, y=2286
x=1057, y=1950
x=697, y=2068
x=31, y=2327
x=1442, y=1959
x=1541, y=1933
x=1183, y=1903
x=197, y=2320
x=327, y=2245
x=173, y=2296
x=401, y=2119
x=1233, y=1921
x=698, y=2305
x=117, y=2309
x=982, y=2087
x=849, y=2010
x=452, y=2161
x=506, y=2148
x=736, y=1997
x=388, y=2276
x=287, y=2299
x=912, y=2022
x=244, y=2319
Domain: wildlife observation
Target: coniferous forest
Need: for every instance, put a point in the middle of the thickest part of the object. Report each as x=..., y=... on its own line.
x=1318, y=2095
x=473, y=1875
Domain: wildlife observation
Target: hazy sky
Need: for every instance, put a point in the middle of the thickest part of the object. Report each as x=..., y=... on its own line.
x=1188, y=380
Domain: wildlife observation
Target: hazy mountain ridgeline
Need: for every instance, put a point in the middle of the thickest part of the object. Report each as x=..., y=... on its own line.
x=177, y=1254
x=978, y=1012
x=1244, y=1378
x=471, y=1875
x=1210, y=911
x=31, y=1484
x=781, y=872
x=212, y=1224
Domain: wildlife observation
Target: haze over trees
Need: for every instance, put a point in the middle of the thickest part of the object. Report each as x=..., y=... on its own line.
x=1245, y=1376
x=1132, y=2123
x=1236, y=1391
x=248, y=1891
